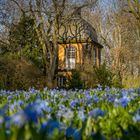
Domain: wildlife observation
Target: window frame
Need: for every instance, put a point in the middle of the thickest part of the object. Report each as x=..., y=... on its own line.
x=70, y=57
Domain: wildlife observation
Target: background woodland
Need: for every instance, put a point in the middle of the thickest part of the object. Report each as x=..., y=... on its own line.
x=27, y=58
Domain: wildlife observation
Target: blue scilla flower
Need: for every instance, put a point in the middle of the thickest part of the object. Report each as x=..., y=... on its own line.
x=3, y=110
x=70, y=131
x=10, y=97
x=40, y=106
x=7, y=122
x=16, y=105
x=26, y=96
x=99, y=87
x=3, y=92
x=50, y=126
x=77, y=134
x=46, y=88
x=19, y=119
x=95, y=98
x=87, y=93
x=20, y=102
x=82, y=100
x=63, y=92
x=12, y=106
x=60, y=113
x=68, y=114
x=53, y=92
x=88, y=98
x=42, y=103
x=107, y=89
x=136, y=118
x=96, y=112
x=38, y=96
x=110, y=98
x=133, y=96
x=116, y=102
x=124, y=93
x=124, y=101
x=31, y=113
x=73, y=103
x=131, y=90
x=81, y=115
x=32, y=90
x=61, y=106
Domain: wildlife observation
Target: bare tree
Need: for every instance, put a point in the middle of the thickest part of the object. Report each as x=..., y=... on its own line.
x=134, y=8
x=116, y=31
x=49, y=15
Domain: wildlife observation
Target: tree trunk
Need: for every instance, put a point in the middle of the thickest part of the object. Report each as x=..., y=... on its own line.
x=50, y=81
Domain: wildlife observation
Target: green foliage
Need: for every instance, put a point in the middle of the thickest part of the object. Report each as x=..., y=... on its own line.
x=21, y=62
x=103, y=75
x=70, y=115
x=19, y=74
x=22, y=34
x=74, y=81
x=24, y=41
x=117, y=81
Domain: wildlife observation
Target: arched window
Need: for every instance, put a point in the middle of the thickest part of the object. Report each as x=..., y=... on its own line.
x=70, y=57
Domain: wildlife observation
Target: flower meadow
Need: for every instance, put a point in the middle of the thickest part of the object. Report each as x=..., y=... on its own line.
x=92, y=114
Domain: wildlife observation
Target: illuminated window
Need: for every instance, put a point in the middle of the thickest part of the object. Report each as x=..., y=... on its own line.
x=70, y=53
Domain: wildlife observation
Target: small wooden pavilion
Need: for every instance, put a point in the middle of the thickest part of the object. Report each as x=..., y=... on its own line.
x=77, y=42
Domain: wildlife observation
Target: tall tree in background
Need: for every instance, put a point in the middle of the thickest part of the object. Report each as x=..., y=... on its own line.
x=51, y=18
x=23, y=41
x=134, y=8
x=47, y=31
x=116, y=30
x=47, y=16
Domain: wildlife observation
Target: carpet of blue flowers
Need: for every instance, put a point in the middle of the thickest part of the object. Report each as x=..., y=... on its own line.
x=70, y=115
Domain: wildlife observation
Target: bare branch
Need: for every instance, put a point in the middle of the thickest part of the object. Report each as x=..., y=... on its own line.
x=19, y=6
